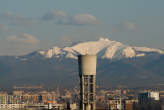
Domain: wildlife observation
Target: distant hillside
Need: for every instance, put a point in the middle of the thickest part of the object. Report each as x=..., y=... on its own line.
x=63, y=72
x=117, y=64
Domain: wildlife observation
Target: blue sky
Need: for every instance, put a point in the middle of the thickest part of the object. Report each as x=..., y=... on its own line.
x=28, y=25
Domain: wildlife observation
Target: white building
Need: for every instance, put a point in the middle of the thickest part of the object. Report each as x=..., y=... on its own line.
x=154, y=95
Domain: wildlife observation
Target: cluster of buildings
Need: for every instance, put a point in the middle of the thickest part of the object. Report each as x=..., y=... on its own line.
x=40, y=99
x=86, y=97
x=130, y=100
x=115, y=99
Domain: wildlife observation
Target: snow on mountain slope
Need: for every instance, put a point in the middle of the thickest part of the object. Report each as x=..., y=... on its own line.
x=103, y=48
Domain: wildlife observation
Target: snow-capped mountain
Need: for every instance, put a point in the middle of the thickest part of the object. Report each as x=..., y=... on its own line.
x=103, y=48
x=58, y=66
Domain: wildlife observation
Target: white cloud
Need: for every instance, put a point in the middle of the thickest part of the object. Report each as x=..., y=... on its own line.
x=82, y=19
x=23, y=39
x=60, y=17
x=54, y=15
x=19, y=44
x=9, y=18
x=124, y=27
x=57, y=16
x=128, y=26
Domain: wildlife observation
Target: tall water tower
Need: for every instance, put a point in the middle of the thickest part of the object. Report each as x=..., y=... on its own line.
x=87, y=74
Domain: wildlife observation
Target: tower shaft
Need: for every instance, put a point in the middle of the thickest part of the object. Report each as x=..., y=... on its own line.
x=87, y=74
x=88, y=92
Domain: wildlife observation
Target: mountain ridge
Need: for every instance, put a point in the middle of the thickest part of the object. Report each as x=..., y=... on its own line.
x=60, y=67
x=103, y=48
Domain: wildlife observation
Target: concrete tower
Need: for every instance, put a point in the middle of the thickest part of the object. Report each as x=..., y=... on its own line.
x=87, y=74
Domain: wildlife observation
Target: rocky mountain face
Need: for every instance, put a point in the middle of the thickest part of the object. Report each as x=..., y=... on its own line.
x=103, y=48
x=117, y=64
